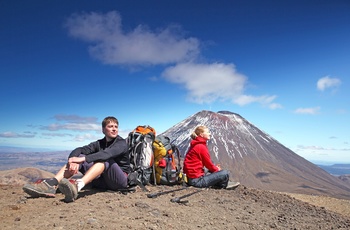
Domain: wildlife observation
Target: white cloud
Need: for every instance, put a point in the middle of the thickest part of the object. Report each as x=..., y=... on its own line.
x=141, y=46
x=57, y=134
x=323, y=154
x=73, y=127
x=210, y=82
x=73, y=123
x=205, y=83
x=275, y=106
x=313, y=147
x=327, y=82
x=75, y=118
x=17, y=135
x=265, y=100
x=124, y=133
x=86, y=137
x=312, y=111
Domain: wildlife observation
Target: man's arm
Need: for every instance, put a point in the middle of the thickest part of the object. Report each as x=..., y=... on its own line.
x=86, y=150
x=118, y=148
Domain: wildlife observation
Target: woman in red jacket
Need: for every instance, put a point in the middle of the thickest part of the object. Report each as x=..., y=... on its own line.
x=198, y=157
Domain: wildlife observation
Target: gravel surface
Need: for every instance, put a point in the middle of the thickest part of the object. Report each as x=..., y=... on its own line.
x=243, y=208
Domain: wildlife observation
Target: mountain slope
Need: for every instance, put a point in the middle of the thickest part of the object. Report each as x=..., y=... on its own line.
x=256, y=159
x=21, y=176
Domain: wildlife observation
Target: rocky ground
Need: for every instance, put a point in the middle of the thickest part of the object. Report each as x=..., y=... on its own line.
x=243, y=208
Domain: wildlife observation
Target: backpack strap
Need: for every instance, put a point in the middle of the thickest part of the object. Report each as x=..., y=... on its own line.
x=177, y=152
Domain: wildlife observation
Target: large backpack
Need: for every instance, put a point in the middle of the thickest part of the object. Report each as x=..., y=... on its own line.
x=140, y=142
x=167, y=162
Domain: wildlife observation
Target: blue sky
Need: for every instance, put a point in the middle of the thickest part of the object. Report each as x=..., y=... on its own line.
x=282, y=65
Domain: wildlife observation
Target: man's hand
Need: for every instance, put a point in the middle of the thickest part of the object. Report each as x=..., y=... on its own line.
x=73, y=164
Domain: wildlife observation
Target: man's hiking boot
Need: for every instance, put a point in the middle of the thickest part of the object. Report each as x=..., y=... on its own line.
x=40, y=189
x=232, y=185
x=69, y=189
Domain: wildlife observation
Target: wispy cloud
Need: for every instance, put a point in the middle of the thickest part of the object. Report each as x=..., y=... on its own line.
x=265, y=100
x=83, y=138
x=75, y=118
x=17, y=135
x=73, y=123
x=314, y=147
x=275, y=106
x=311, y=111
x=140, y=46
x=341, y=111
x=57, y=134
x=327, y=82
x=71, y=126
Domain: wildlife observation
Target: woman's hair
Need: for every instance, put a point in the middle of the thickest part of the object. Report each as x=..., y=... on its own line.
x=108, y=120
x=199, y=129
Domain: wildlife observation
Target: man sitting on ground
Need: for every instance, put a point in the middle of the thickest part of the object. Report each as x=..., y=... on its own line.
x=105, y=163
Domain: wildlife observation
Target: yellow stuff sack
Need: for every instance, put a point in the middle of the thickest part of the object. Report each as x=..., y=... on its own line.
x=166, y=161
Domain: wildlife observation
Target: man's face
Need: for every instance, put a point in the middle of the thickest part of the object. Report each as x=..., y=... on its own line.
x=110, y=131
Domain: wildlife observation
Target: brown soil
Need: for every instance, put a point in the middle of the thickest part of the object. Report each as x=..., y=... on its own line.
x=243, y=208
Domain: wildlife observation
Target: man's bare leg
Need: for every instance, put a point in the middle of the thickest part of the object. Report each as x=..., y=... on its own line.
x=63, y=173
x=93, y=172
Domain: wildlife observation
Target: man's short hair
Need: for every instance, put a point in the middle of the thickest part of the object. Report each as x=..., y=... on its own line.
x=108, y=120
